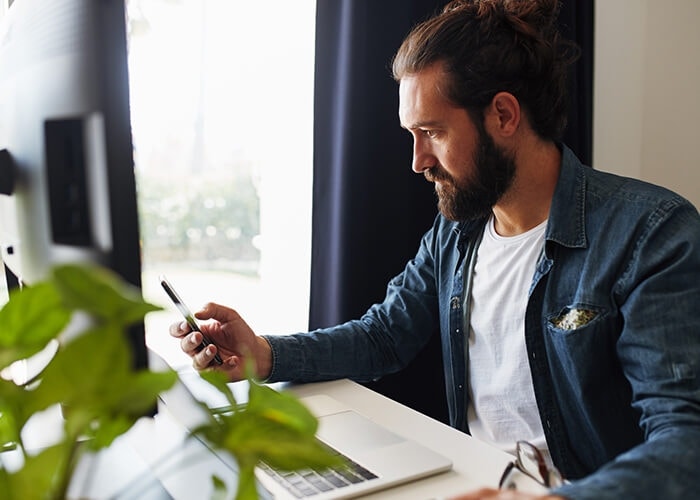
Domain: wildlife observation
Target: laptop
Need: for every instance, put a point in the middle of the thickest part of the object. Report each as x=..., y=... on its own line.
x=378, y=458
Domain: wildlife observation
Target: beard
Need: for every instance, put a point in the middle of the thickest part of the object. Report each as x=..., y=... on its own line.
x=473, y=199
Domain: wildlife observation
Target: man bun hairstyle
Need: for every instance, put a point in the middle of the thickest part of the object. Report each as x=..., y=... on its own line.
x=491, y=46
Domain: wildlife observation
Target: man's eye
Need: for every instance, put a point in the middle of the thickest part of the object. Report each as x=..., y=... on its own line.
x=430, y=133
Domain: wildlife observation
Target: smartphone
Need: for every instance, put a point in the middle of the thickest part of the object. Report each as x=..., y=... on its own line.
x=189, y=317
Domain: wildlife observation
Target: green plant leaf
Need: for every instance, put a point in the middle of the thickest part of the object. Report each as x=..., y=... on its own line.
x=275, y=427
x=30, y=319
x=220, y=491
x=13, y=411
x=41, y=475
x=142, y=390
x=250, y=437
x=128, y=404
x=85, y=369
x=101, y=293
x=107, y=429
x=281, y=407
x=109, y=396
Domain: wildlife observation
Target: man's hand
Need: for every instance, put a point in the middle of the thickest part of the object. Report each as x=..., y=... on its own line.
x=494, y=494
x=231, y=337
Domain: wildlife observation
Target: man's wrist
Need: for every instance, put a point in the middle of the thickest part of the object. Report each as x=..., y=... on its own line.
x=264, y=358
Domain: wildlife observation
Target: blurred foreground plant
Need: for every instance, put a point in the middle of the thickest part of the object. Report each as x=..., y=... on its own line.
x=92, y=377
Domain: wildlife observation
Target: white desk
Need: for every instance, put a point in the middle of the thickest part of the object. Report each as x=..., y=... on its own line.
x=475, y=464
x=185, y=466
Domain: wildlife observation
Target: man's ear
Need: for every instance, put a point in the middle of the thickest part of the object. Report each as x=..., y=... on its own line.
x=503, y=115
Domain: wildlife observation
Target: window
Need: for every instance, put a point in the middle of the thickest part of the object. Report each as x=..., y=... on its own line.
x=222, y=120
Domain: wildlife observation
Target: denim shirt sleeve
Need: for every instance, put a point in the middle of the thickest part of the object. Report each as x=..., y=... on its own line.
x=383, y=341
x=659, y=353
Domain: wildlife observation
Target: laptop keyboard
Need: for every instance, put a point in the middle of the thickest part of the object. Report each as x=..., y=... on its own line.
x=308, y=482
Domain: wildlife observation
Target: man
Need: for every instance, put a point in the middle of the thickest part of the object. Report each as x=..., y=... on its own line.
x=566, y=297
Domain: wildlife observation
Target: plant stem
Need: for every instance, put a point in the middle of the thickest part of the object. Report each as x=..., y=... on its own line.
x=65, y=473
x=247, y=487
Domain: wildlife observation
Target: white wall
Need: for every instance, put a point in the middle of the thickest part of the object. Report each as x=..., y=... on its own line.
x=647, y=92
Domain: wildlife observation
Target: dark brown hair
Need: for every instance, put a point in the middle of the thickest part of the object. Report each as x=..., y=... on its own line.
x=490, y=46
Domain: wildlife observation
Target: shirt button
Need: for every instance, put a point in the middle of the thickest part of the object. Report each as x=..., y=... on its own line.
x=454, y=303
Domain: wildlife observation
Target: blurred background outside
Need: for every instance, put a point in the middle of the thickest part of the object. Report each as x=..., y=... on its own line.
x=222, y=123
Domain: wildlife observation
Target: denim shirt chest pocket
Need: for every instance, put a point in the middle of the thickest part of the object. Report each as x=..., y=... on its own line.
x=580, y=332
x=577, y=323
x=581, y=320
x=574, y=319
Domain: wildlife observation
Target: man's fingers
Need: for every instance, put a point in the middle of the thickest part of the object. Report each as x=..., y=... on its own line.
x=190, y=343
x=204, y=358
x=220, y=313
x=179, y=329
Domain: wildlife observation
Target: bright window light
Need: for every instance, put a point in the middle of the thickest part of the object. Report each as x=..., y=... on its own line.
x=222, y=119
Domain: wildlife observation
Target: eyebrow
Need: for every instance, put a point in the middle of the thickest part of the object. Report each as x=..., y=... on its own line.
x=423, y=124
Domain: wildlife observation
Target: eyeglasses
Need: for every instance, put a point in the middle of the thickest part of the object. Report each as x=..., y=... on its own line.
x=529, y=461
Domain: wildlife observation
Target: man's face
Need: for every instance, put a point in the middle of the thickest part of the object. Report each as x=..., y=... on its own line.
x=470, y=172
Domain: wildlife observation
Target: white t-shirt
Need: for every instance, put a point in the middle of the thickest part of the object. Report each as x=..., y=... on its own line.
x=502, y=407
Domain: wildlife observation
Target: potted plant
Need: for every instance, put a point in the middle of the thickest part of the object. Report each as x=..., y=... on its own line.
x=102, y=396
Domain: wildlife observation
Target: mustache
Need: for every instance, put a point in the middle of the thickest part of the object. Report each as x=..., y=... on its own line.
x=436, y=173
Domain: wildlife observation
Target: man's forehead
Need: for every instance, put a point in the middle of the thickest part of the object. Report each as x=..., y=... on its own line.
x=421, y=101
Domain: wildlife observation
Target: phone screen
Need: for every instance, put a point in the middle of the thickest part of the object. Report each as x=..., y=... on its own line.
x=189, y=317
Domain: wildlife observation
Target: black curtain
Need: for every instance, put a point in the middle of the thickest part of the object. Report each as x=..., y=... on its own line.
x=576, y=22
x=369, y=209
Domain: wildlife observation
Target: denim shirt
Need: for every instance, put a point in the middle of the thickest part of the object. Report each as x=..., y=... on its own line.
x=612, y=331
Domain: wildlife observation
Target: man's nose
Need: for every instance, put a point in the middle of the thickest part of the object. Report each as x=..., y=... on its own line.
x=423, y=158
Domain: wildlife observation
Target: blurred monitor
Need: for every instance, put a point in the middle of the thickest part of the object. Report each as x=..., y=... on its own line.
x=67, y=165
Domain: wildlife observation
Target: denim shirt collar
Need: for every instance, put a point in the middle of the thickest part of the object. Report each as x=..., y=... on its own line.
x=567, y=217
